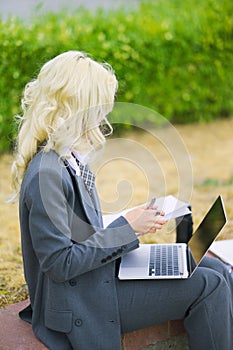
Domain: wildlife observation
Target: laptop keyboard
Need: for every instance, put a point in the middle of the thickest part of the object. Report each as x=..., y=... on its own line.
x=164, y=260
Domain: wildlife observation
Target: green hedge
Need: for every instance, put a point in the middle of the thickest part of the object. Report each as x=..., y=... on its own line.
x=173, y=56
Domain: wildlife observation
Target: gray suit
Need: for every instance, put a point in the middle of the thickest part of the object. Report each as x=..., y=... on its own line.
x=76, y=300
x=71, y=286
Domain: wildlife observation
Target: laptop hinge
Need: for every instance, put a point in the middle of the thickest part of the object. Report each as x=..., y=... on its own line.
x=191, y=264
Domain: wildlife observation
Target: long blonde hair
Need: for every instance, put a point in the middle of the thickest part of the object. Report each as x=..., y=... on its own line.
x=63, y=108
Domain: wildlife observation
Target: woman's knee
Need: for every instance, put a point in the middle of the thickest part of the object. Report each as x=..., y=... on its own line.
x=214, y=264
x=213, y=283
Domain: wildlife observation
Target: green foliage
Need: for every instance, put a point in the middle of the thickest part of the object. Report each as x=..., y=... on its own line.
x=172, y=56
x=209, y=182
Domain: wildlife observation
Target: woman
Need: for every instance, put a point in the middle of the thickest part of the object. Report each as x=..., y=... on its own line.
x=70, y=261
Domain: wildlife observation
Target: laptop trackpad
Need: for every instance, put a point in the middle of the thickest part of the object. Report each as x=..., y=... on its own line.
x=137, y=258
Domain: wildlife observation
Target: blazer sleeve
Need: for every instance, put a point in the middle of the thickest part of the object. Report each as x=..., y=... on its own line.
x=46, y=199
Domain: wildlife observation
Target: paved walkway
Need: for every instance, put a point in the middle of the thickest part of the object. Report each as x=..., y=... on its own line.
x=27, y=7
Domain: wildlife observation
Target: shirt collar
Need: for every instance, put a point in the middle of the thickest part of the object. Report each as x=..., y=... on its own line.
x=72, y=161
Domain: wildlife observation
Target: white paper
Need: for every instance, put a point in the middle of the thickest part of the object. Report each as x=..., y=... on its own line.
x=172, y=207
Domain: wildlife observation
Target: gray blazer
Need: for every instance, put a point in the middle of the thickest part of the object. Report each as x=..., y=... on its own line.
x=69, y=259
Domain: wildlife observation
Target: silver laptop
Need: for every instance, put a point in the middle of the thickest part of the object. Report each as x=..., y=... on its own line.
x=174, y=260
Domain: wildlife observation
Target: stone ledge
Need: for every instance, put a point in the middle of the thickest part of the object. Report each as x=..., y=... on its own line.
x=179, y=342
x=16, y=334
x=152, y=335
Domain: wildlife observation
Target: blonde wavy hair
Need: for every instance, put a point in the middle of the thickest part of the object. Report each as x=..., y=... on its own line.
x=63, y=109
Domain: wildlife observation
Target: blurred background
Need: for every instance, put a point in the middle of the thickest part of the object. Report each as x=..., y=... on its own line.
x=170, y=56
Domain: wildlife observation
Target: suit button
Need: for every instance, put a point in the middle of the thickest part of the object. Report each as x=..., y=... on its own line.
x=109, y=257
x=114, y=254
x=72, y=282
x=103, y=261
x=124, y=247
x=119, y=250
x=78, y=322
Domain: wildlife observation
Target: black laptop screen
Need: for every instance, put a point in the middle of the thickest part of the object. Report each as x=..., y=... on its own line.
x=208, y=230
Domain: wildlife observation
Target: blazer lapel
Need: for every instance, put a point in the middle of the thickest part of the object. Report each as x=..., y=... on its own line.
x=97, y=205
x=90, y=205
x=91, y=211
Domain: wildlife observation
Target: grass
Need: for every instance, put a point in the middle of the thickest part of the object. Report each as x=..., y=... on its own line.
x=124, y=179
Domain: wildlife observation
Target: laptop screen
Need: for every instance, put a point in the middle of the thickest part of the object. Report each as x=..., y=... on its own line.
x=208, y=230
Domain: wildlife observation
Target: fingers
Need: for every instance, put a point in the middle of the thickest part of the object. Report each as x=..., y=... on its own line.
x=145, y=220
x=155, y=220
x=157, y=224
x=156, y=216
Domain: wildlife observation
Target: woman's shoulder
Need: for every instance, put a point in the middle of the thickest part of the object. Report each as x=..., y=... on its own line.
x=43, y=160
x=46, y=172
x=46, y=163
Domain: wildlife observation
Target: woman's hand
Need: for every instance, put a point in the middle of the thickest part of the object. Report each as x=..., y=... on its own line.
x=144, y=220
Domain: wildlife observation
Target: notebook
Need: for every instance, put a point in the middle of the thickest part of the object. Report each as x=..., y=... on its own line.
x=174, y=260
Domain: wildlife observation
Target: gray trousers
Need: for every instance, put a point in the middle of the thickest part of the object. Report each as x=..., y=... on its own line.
x=204, y=301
